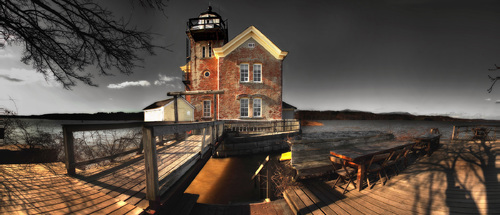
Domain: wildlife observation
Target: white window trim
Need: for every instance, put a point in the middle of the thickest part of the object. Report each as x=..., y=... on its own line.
x=253, y=72
x=247, y=79
x=253, y=108
x=248, y=108
x=209, y=109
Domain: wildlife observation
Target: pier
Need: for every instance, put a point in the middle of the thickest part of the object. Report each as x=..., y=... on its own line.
x=459, y=178
x=156, y=173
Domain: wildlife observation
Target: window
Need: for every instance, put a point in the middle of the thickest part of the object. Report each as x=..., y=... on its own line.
x=257, y=73
x=251, y=45
x=209, y=50
x=206, y=73
x=203, y=52
x=206, y=108
x=244, y=107
x=257, y=107
x=244, y=72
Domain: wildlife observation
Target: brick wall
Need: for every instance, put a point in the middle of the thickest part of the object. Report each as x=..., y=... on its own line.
x=269, y=90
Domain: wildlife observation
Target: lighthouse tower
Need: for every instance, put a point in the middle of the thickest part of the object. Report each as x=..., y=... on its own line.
x=206, y=32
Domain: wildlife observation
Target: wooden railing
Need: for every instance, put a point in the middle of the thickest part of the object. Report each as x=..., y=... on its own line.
x=262, y=180
x=475, y=132
x=69, y=146
x=261, y=127
x=210, y=133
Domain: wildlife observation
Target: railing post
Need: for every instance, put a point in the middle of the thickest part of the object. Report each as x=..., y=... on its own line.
x=453, y=134
x=213, y=135
x=150, y=157
x=203, y=141
x=69, y=150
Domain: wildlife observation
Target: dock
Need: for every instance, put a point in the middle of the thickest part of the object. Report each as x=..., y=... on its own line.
x=459, y=178
x=144, y=183
x=46, y=188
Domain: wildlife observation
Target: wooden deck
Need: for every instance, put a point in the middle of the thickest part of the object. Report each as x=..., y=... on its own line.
x=121, y=189
x=459, y=178
x=44, y=189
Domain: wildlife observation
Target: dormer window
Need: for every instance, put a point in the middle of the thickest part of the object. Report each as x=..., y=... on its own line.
x=251, y=45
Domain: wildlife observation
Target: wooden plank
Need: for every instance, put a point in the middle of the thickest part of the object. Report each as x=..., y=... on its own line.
x=307, y=201
x=69, y=150
x=196, y=92
x=150, y=158
x=320, y=204
x=297, y=205
x=326, y=195
x=94, y=127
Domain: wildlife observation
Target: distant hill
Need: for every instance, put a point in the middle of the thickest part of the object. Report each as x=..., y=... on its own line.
x=87, y=116
x=361, y=115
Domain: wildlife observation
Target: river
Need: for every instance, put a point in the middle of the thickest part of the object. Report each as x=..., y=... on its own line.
x=227, y=180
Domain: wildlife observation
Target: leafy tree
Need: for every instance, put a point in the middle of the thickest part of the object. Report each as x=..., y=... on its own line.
x=61, y=38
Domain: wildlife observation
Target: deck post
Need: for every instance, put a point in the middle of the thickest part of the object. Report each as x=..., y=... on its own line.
x=215, y=108
x=150, y=158
x=213, y=134
x=203, y=141
x=69, y=150
x=176, y=111
x=453, y=134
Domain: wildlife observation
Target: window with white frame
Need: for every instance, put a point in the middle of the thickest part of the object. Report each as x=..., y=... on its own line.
x=206, y=108
x=257, y=73
x=244, y=72
x=257, y=107
x=244, y=107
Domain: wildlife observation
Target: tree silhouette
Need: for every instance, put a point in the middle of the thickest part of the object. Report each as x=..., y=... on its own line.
x=62, y=38
x=493, y=80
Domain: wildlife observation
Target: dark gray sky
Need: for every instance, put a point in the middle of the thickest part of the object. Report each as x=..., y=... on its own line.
x=417, y=56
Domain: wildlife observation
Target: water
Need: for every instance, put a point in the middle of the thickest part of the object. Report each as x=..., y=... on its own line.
x=397, y=127
x=88, y=144
x=227, y=180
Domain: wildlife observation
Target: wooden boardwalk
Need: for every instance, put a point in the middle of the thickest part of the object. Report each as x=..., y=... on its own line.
x=121, y=189
x=44, y=189
x=459, y=178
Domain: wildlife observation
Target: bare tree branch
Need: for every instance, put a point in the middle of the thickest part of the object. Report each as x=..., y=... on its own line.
x=62, y=38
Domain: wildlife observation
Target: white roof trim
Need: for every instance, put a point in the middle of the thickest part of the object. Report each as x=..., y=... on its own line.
x=250, y=32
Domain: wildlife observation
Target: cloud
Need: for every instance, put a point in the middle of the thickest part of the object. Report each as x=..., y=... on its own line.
x=488, y=99
x=8, y=78
x=141, y=83
x=165, y=80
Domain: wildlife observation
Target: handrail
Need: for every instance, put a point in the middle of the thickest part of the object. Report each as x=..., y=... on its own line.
x=257, y=172
x=149, y=131
x=457, y=129
x=69, y=147
x=259, y=126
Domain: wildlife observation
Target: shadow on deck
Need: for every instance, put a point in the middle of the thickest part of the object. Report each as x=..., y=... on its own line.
x=120, y=189
x=459, y=178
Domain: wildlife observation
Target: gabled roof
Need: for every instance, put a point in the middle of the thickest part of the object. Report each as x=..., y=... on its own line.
x=285, y=105
x=254, y=33
x=165, y=102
